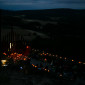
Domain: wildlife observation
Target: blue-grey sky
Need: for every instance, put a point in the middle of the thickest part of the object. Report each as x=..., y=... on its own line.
x=41, y=4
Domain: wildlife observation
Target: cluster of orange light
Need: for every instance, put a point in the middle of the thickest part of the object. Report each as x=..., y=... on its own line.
x=34, y=65
x=15, y=56
x=4, y=53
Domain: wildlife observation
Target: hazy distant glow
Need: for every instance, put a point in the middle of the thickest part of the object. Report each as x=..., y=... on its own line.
x=41, y=4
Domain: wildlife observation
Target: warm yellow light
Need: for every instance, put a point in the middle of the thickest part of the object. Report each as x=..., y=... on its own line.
x=35, y=66
x=4, y=62
x=12, y=44
x=12, y=54
x=15, y=53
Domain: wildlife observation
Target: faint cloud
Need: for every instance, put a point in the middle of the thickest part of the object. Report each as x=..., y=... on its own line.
x=18, y=3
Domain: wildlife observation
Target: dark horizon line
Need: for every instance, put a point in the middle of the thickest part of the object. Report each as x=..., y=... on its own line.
x=40, y=9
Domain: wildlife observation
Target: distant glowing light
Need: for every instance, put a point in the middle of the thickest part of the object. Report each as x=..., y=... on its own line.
x=65, y=58
x=80, y=62
x=15, y=53
x=24, y=59
x=60, y=57
x=48, y=70
x=72, y=60
x=21, y=68
x=35, y=66
x=4, y=53
x=83, y=63
x=60, y=75
x=45, y=59
x=43, y=53
x=10, y=45
x=11, y=53
x=53, y=55
x=47, y=53
x=4, y=62
x=27, y=47
x=45, y=69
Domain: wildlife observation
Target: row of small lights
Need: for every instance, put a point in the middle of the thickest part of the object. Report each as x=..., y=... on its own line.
x=43, y=68
x=49, y=54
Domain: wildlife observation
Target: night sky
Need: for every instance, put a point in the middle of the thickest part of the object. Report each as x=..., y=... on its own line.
x=41, y=4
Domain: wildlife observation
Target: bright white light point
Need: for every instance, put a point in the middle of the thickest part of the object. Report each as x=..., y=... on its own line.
x=10, y=46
